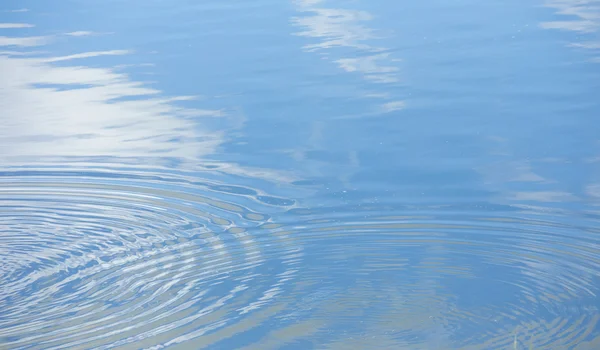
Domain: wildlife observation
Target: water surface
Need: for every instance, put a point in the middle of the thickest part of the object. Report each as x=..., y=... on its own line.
x=299, y=175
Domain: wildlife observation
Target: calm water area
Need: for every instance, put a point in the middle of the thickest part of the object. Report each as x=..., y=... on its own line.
x=300, y=174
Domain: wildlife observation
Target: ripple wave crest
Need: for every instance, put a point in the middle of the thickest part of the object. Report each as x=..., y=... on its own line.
x=468, y=276
x=117, y=258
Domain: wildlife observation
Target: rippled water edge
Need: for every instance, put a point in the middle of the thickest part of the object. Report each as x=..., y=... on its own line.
x=114, y=256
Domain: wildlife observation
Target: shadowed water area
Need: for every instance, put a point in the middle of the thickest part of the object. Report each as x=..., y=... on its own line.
x=304, y=174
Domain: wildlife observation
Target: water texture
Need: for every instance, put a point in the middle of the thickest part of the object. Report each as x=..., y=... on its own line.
x=309, y=174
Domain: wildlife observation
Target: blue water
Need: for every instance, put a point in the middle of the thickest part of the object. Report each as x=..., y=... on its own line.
x=305, y=174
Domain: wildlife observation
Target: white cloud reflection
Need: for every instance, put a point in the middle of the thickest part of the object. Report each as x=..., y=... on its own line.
x=585, y=15
x=80, y=111
x=582, y=16
x=18, y=10
x=335, y=27
x=345, y=29
x=15, y=25
x=88, y=55
x=24, y=41
x=80, y=33
x=74, y=110
x=52, y=111
x=393, y=106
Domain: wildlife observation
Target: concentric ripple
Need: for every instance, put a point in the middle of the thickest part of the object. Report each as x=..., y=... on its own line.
x=124, y=258
x=447, y=276
x=109, y=258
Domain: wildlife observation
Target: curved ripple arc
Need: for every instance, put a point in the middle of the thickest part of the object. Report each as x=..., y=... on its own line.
x=447, y=276
x=109, y=258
